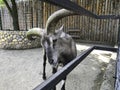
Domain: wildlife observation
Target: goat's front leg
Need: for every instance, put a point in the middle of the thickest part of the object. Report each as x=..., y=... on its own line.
x=44, y=65
x=54, y=70
x=63, y=83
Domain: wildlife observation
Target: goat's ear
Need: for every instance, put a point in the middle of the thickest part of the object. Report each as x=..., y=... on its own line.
x=61, y=28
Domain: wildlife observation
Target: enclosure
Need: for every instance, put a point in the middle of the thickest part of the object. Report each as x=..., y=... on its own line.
x=98, y=24
x=57, y=77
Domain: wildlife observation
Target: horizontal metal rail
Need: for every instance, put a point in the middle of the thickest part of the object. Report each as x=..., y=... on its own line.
x=58, y=76
x=105, y=48
x=67, y=4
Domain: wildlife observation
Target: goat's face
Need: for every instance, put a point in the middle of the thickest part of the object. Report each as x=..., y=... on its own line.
x=49, y=44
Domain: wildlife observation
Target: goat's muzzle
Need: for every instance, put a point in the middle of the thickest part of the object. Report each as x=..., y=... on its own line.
x=51, y=61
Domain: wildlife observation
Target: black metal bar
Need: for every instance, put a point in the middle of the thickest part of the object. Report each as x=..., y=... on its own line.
x=108, y=16
x=57, y=77
x=67, y=4
x=25, y=17
x=0, y=21
x=117, y=82
x=106, y=48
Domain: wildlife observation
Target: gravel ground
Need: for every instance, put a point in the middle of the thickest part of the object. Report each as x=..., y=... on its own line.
x=22, y=69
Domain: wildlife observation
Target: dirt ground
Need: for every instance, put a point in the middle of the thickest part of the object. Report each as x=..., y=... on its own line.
x=22, y=69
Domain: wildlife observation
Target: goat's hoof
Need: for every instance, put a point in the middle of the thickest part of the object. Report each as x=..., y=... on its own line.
x=63, y=88
x=44, y=77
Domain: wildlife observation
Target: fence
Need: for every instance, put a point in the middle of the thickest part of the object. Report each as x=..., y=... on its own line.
x=29, y=13
x=58, y=76
x=35, y=14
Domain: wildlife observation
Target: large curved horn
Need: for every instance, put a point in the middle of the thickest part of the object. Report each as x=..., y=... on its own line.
x=35, y=32
x=51, y=22
x=56, y=16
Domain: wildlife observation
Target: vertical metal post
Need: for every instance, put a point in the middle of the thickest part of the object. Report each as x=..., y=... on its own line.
x=117, y=82
x=40, y=19
x=25, y=16
x=31, y=16
x=0, y=21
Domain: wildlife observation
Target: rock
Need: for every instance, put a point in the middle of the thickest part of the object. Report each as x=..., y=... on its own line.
x=108, y=80
x=16, y=40
x=106, y=85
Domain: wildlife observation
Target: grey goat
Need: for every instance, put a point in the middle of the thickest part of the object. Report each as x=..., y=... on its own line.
x=59, y=49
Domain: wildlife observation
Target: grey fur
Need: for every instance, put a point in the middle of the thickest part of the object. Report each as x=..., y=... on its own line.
x=59, y=48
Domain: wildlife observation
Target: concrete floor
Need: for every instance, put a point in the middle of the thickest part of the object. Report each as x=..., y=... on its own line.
x=22, y=69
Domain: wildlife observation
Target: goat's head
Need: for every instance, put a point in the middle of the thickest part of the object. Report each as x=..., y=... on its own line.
x=49, y=43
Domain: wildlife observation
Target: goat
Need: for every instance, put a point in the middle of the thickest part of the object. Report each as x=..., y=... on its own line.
x=59, y=49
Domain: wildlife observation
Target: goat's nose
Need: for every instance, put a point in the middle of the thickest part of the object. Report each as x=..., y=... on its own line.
x=51, y=61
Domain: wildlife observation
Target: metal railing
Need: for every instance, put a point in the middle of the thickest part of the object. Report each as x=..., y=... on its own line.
x=58, y=76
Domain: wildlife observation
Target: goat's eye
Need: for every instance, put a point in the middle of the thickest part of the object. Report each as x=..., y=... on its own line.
x=55, y=40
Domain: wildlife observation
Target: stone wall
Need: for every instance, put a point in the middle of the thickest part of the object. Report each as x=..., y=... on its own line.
x=17, y=40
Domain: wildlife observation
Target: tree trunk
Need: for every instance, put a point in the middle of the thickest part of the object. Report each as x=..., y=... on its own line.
x=15, y=22
x=15, y=19
x=14, y=13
